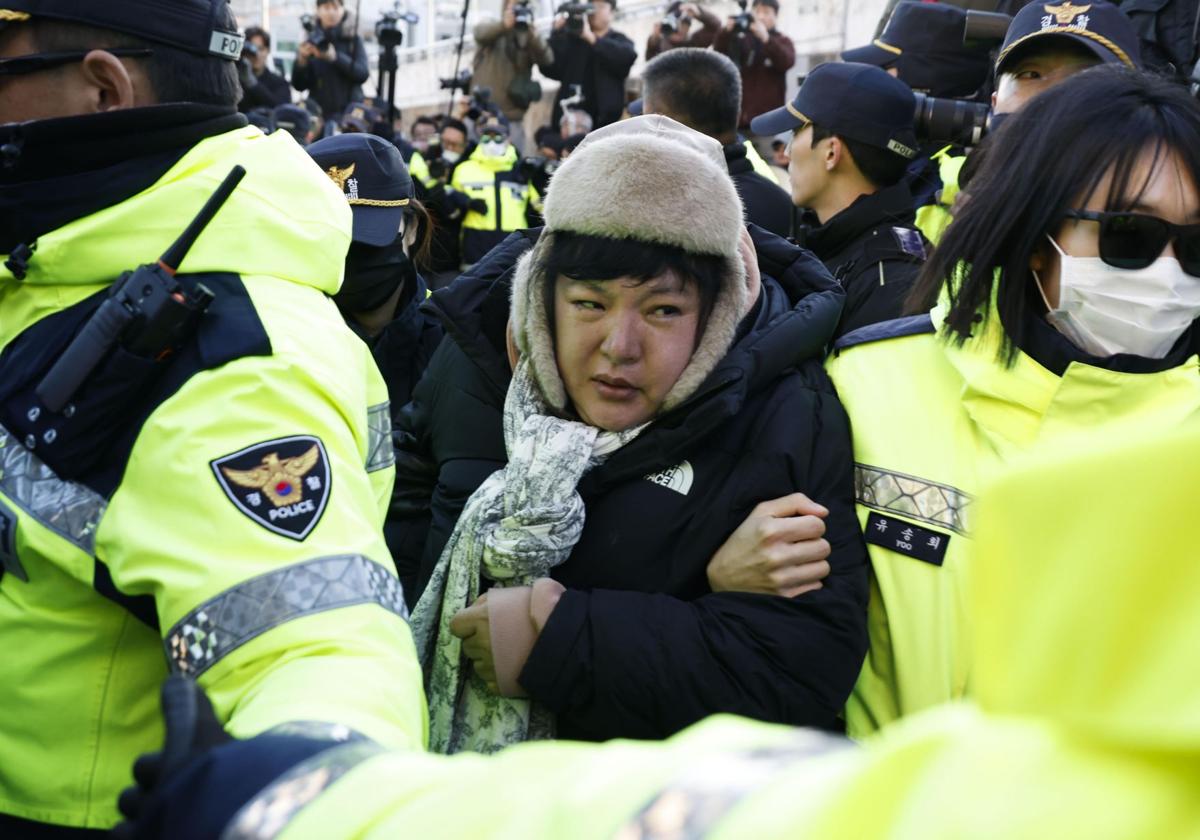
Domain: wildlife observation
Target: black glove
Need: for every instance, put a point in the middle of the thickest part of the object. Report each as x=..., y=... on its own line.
x=202, y=778
x=192, y=730
x=478, y=205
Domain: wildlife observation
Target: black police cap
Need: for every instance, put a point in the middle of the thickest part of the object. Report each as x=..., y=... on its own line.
x=857, y=101
x=191, y=25
x=1099, y=26
x=371, y=173
x=924, y=41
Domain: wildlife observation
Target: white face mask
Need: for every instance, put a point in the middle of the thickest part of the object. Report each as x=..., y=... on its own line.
x=451, y=157
x=494, y=148
x=1104, y=310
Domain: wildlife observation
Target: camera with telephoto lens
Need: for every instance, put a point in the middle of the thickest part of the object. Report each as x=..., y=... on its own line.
x=316, y=36
x=387, y=28
x=576, y=13
x=958, y=121
x=481, y=103
x=460, y=82
x=963, y=122
x=522, y=15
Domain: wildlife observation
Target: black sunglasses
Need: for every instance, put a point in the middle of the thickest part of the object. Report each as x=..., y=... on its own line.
x=1134, y=240
x=24, y=64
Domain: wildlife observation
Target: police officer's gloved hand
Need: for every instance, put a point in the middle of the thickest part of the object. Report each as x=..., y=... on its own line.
x=477, y=205
x=202, y=778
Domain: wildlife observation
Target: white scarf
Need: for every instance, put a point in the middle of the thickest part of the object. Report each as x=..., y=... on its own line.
x=524, y=520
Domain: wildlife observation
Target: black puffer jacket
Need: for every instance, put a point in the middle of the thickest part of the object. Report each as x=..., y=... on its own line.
x=639, y=646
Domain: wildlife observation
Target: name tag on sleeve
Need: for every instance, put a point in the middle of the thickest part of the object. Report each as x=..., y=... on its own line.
x=904, y=537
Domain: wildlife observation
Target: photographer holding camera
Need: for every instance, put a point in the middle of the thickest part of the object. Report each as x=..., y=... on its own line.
x=507, y=50
x=331, y=62
x=763, y=56
x=588, y=52
x=675, y=29
x=260, y=87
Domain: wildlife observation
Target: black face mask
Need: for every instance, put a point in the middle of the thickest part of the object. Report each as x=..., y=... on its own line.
x=373, y=275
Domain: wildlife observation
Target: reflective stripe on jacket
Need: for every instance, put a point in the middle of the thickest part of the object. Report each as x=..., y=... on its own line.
x=933, y=422
x=277, y=626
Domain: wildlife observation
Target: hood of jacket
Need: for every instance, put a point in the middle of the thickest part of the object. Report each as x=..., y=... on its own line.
x=792, y=322
x=286, y=219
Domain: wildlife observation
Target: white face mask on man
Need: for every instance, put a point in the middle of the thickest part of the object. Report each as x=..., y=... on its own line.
x=494, y=148
x=1105, y=311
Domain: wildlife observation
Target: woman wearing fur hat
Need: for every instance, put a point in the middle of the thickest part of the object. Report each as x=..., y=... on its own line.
x=652, y=392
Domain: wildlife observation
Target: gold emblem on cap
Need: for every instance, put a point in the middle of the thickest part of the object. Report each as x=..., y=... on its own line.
x=1065, y=13
x=10, y=15
x=339, y=176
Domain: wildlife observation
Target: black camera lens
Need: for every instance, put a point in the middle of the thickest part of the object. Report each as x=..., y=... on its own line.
x=957, y=121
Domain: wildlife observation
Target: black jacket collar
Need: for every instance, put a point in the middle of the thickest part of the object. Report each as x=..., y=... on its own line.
x=55, y=171
x=736, y=159
x=1055, y=352
x=892, y=205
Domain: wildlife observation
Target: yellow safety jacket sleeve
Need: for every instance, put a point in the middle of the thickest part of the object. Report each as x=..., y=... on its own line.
x=1087, y=722
x=247, y=514
x=933, y=219
x=760, y=165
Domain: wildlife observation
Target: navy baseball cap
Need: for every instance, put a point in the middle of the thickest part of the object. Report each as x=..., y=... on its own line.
x=1099, y=26
x=924, y=42
x=858, y=101
x=293, y=119
x=371, y=173
x=190, y=25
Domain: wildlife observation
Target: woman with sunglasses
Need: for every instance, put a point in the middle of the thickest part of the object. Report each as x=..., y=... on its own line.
x=1063, y=303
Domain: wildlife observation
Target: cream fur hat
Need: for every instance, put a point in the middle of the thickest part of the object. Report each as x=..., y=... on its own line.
x=653, y=180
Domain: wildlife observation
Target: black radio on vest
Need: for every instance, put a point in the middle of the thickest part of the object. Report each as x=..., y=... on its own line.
x=148, y=311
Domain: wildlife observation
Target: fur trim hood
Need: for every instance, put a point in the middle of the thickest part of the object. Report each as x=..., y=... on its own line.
x=653, y=180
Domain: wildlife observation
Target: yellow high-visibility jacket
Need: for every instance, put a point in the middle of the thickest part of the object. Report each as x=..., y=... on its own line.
x=1086, y=721
x=244, y=515
x=932, y=422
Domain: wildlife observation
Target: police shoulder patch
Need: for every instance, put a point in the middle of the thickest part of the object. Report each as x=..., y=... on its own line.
x=910, y=242
x=281, y=484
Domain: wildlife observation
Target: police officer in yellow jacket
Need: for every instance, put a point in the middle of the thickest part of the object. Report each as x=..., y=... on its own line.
x=495, y=192
x=209, y=500
x=1063, y=314
x=1085, y=724
x=1045, y=44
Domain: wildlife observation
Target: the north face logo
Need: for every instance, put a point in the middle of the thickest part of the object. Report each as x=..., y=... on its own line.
x=678, y=478
x=281, y=484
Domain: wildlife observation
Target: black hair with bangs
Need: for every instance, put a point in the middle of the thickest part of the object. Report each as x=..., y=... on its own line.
x=582, y=256
x=1046, y=159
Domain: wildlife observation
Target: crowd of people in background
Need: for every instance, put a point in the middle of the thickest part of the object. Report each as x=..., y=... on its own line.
x=433, y=434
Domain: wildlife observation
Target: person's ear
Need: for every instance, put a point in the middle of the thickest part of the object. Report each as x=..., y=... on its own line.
x=111, y=86
x=510, y=344
x=993, y=100
x=833, y=153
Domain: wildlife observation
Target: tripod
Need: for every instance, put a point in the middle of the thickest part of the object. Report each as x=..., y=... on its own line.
x=388, y=64
x=458, y=83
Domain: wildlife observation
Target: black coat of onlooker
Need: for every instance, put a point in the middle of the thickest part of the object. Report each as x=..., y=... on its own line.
x=261, y=88
x=873, y=248
x=764, y=201
x=657, y=512
x=600, y=69
x=335, y=83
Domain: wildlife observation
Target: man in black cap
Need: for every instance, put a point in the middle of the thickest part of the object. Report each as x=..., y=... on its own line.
x=1047, y=43
x=382, y=291
x=295, y=120
x=195, y=459
x=702, y=90
x=922, y=46
x=852, y=141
